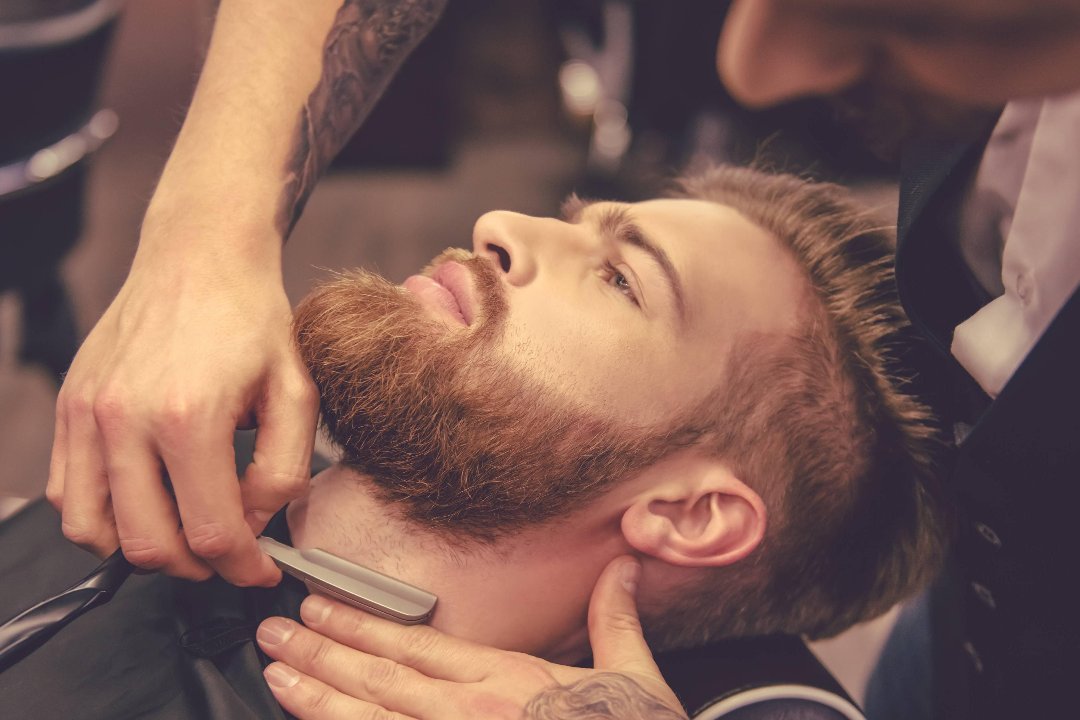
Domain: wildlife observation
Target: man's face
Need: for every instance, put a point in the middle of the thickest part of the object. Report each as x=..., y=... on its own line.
x=941, y=55
x=564, y=355
x=632, y=309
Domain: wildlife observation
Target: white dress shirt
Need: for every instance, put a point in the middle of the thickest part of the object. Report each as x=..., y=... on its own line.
x=1020, y=235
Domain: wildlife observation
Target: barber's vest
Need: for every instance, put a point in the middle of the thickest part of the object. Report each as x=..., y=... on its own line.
x=774, y=676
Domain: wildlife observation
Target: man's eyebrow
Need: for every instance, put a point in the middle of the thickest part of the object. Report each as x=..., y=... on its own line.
x=617, y=222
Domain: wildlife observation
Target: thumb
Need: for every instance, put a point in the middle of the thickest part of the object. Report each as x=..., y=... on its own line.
x=618, y=644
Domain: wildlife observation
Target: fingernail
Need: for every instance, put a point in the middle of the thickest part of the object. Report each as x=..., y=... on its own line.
x=281, y=676
x=275, y=631
x=315, y=610
x=629, y=574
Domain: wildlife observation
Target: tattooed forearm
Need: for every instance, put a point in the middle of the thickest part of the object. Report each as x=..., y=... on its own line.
x=367, y=43
x=605, y=696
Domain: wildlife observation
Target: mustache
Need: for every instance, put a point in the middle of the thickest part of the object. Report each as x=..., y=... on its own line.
x=491, y=293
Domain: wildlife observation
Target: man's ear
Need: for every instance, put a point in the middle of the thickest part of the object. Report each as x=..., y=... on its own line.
x=698, y=515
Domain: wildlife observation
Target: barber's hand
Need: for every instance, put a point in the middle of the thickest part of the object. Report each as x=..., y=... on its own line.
x=357, y=666
x=194, y=345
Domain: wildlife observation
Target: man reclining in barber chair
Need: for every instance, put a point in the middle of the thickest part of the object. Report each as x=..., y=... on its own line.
x=702, y=382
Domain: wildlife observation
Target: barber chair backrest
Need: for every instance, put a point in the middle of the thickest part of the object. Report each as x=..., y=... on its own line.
x=50, y=67
x=51, y=57
x=751, y=678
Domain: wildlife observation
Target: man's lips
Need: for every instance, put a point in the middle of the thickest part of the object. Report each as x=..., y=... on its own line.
x=449, y=289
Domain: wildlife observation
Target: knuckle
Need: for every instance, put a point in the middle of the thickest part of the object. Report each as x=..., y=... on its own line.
x=144, y=553
x=381, y=675
x=210, y=540
x=110, y=410
x=79, y=531
x=378, y=713
x=79, y=407
x=319, y=702
x=287, y=483
x=418, y=645
x=314, y=651
x=353, y=624
x=301, y=390
x=176, y=414
x=621, y=623
x=55, y=495
x=534, y=673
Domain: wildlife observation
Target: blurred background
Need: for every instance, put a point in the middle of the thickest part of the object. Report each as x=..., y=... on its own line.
x=504, y=106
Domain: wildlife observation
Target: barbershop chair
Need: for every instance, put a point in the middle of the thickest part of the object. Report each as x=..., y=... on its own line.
x=51, y=55
x=762, y=678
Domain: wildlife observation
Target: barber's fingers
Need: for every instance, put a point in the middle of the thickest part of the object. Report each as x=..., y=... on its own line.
x=281, y=467
x=86, y=515
x=393, y=686
x=618, y=644
x=309, y=699
x=420, y=647
x=614, y=627
x=198, y=453
x=146, y=519
x=54, y=488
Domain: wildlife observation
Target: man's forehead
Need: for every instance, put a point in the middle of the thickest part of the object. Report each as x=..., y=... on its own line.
x=682, y=210
x=698, y=222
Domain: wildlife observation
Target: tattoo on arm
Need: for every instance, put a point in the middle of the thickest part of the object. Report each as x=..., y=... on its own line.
x=367, y=43
x=602, y=696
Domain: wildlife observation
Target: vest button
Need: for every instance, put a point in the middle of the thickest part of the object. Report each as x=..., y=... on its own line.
x=988, y=534
x=984, y=594
x=973, y=655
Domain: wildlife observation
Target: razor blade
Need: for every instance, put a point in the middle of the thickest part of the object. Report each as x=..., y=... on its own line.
x=353, y=584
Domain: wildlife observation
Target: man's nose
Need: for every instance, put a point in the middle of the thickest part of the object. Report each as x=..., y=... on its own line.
x=768, y=55
x=518, y=244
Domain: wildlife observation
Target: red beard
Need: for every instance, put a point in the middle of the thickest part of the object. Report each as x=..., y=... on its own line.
x=457, y=437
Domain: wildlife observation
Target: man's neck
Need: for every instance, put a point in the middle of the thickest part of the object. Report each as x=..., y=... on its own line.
x=529, y=593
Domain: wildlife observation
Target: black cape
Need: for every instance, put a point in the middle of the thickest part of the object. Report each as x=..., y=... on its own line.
x=167, y=649
x=162, y=648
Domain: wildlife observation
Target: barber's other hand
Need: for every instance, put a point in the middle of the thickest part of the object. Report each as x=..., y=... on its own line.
x=196, y=343
x=352, y=665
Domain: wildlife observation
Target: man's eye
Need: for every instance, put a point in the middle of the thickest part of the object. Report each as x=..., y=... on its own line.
x=620, y=282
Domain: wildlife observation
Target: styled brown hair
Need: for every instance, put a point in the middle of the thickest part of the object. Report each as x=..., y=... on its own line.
x=824, y=426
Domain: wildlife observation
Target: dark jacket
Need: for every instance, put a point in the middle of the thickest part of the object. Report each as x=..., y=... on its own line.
x=161, y=649
x=1005, y=619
